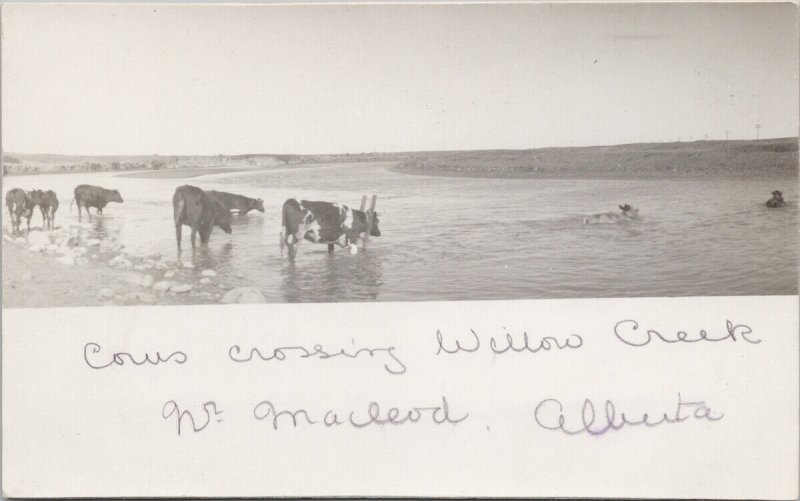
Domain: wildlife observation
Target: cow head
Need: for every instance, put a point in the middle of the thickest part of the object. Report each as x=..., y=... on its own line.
x=35, y=197
x=222, y=218
x=257, y=205
x=375, y=231
x=114, y=196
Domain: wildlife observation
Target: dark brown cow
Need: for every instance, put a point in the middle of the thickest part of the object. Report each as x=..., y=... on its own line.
x=19, y=205
x=87, y=196
x=48, y=204
x=324, y=223
x=194, y=208
x=776, y=200
x=234, y=202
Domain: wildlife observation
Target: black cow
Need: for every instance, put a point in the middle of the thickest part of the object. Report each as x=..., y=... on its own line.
x=19, y=205
x=194, y=208
x=48, y=204
x=87, y=196
x=776, y=200
x=325, y=223
x=234, y=202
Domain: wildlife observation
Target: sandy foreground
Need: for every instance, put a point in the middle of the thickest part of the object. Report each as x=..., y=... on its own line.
x=46, y=269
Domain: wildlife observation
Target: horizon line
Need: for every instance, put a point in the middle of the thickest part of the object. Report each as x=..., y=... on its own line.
x=398, y=152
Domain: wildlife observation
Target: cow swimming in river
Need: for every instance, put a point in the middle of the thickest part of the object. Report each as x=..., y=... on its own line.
x=194, y=208
x=325, y=223
x=627, y=213
x=87, y=196
x=776, y=200
x=233, y=202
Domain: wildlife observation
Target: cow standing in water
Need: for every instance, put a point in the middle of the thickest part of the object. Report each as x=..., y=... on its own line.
x=19, y=205
x=233, y=202
x=776, y=200
x=628, y=214
x=194, y=208
x=48, y=204
x=323, y=223
x=87, y=196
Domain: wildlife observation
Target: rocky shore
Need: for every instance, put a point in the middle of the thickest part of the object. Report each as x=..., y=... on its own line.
x=67, y=257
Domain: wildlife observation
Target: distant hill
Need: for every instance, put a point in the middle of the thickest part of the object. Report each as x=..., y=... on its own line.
x=766, y=158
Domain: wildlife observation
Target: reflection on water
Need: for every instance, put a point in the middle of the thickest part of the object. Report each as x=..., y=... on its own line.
x=333, y=278
x=450, y=238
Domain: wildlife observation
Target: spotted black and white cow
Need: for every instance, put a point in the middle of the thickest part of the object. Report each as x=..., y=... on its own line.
x=324, y=223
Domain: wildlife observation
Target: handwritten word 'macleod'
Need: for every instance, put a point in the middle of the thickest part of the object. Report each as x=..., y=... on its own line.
x=549, y=415
x=521, y=344
x=96, y=361
x=628, y=332
x=395, y=366
x=373, y=416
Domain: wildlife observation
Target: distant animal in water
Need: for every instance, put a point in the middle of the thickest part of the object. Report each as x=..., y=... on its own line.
x=627, y=213
x=776, y=200
x=87, y=196
x=324, y=223
x=238, y=203
x=194, y=208
x=19, y=205
x=48, y=204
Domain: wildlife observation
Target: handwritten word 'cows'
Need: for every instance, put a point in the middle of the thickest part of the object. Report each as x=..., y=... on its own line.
x=324, y=223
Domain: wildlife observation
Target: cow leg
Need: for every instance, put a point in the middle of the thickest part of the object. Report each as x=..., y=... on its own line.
x=205, y=236
x=194, y=237
x=178, y=235
x=52, y=219
x=330, y=248
x=283, y=238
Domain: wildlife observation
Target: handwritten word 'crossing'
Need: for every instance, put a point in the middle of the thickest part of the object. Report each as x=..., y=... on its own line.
x=393, y=366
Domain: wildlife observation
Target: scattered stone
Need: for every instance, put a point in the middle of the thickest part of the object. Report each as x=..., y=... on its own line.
x=243, y=295
x=147, y=281
x=92, y=242
x=187, y=265
x=239, y=275
x=209, y=273
x=140, y=267
x=144, y=297
x=169, y=274
x=180, y=288
x=162, y=286
x=40, y=238
x=68, y=260
x=36, y=248
x=221, y=286
x=105, y=293
x=7, y=238
x=205, y=280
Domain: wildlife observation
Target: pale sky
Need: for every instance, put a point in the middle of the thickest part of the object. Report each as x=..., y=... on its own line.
x=205, y=79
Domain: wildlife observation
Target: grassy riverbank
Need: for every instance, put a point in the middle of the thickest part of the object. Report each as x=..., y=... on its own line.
x=764, y=159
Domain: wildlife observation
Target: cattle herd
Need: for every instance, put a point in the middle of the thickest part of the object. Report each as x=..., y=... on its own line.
x=319, y=222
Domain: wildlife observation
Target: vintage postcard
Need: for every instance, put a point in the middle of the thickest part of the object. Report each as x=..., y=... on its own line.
x=401, y=249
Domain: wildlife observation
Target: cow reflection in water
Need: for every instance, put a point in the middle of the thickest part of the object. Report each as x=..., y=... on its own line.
x=332, y=278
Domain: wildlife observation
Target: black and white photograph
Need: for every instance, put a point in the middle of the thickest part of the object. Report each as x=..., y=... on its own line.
x=354, y=153
x=400, y=250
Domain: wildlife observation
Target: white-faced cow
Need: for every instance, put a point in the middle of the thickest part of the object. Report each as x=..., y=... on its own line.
x=324, y=223
x=19, y=205
x=194, y=208
x=48, y=204
x=233, y=202
x=87, y=196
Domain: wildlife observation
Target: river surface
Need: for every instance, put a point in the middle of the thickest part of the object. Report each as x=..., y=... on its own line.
x=447, y=238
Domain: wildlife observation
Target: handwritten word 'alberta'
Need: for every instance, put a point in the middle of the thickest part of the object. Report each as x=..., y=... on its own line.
x=550, y=415
x=521, y=343
x=373, y=415
x=392, y=366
